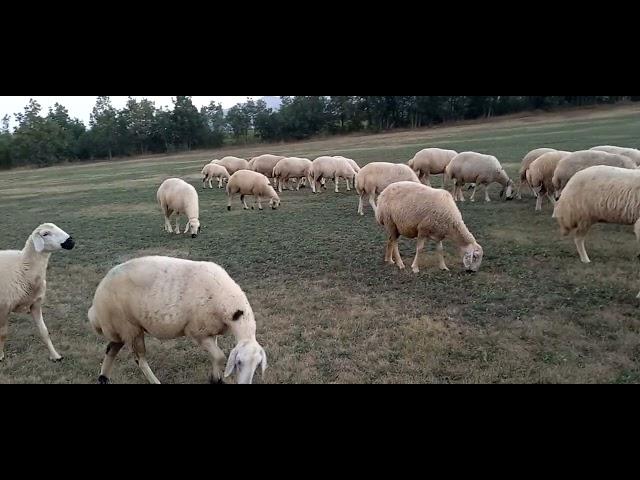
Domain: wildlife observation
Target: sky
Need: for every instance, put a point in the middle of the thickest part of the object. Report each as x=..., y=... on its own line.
x=80, y=106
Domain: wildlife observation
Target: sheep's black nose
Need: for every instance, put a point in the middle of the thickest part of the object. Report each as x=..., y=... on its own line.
x=68, y=244
x=194, y=235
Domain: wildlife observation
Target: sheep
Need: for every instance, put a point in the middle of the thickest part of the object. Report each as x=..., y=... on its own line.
x=265, y=164
x=177, y=196
x=351, y=161
x=478, y=169
x=234, y=164
x=631, y=153
x=529, y=158
x=577, y=161
x=23, y=282
x=292, y=167
x=414, y=210
x=332, y=168
x=374, y=177
x=431, y=161
x=540, y=176
x=170, y=298
x=600, y=194
x=246, y=182
x=211, y=171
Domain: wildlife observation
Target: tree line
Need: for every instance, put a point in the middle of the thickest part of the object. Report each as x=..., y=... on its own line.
x=140, y=128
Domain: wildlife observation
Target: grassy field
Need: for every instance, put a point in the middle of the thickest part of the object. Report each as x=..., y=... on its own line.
x=328, y=309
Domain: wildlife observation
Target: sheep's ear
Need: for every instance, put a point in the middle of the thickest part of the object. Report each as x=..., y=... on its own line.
x=263, y=362
x=231, y=362
x=38, y=242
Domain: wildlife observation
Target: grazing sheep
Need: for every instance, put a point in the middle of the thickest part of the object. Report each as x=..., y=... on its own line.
x=414, y=210
x=23, y=280
x=265, y=164
x=540, y=176
x=169, y=298
x=577, y=161
x=631, y=153
x=333, y=168
x=292, y=167
x=246, y=182
x=177, y=196
x=351, y=161
x=234, y=164
x=478, y=169
x=600, y=194
x=211, y=171
x=374, y=177
x=529, y=158
x=431, y=161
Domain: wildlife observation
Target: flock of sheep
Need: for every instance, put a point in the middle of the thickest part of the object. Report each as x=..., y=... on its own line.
x=149, y=295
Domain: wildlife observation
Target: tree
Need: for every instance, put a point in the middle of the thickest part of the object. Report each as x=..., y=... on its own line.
x=186, y=121
x=103, y=122
x=239, y=119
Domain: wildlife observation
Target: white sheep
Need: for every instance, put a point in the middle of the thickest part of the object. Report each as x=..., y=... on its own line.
x=374, y=177
x=23, y=280
x=292, y=167
x=478, y=169
x=540, y=176
x=170, y=298
x=265, y=164
x=631, y=153
x=600, y=194
x=528, y=159
x=333, y=168
x=234, y=164
x=431, y=161
x=351, y=161
x=177, y=196
x=577, y=161
x=246, y=182
x=213, y=171
x=414, y=210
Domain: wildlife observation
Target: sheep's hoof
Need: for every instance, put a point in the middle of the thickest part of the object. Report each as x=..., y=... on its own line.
x=415, y=269
x=102, y=380
x=262, y=208
x=56, y=359
x=253, y=208
x=213, y=381
x=229, y=208
x=444, y=268
x=2, y=358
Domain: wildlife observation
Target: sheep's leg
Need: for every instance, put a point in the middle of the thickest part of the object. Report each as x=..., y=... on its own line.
x=36, y=313
x=473, y=195
x=107, y=364
x=280, y=185
x=348, y=186
x=396, y=254
x=219, y=182
x=486, y=193
x=4, y=331
x=361, y=204
x=259, y=200
x=336, y=181
x=551, y=199
x=177, y=223
x=519, y=192
x=427, y=179
x=579, y=241
x=419, y=248
x=539, y=203
x=372, y=202
x=139, y=352
x=440, y=251
x=218, y=358
x=244, y=202
x=230, y=196
x=388, y=252
x=167, y=223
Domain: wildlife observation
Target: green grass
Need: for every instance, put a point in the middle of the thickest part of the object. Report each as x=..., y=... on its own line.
x=328, y=309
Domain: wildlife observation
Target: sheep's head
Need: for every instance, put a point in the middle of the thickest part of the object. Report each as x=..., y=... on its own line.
x=507, y=192
x=244, y=359
x=274, y=202
x=472, y=257
x=193, y=227
x=49, y=238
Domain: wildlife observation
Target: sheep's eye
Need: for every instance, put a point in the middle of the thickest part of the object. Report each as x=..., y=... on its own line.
x=45, y=234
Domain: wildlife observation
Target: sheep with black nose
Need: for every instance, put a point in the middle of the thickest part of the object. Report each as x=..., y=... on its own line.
x=23, y=281
x=177, y=196
x=169, y=298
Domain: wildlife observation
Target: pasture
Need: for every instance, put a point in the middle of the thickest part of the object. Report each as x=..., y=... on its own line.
x=328, y=309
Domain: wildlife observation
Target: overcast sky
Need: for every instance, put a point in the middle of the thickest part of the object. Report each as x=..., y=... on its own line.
x=80, y=107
